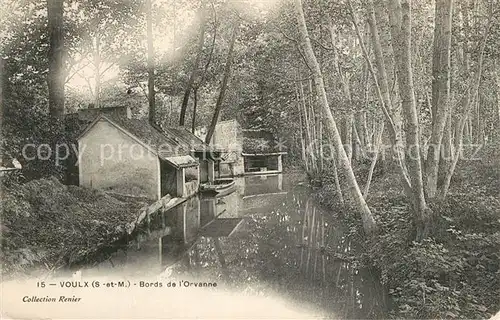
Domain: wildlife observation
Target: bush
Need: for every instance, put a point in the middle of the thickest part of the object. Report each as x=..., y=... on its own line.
x=455, y=272
x=46, y=222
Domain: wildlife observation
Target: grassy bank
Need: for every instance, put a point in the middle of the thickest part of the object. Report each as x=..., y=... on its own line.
x=48, y=225
x=454, y=273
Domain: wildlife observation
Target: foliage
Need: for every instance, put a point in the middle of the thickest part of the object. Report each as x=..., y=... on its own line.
x=47, y=223
x=26, y=121
x=452, y=274
x=453, y=277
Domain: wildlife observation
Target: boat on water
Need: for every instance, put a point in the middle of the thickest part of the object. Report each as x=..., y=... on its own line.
x=219, y=188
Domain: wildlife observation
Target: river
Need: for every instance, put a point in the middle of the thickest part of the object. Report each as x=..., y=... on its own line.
x=267, y=236
x=266, y=250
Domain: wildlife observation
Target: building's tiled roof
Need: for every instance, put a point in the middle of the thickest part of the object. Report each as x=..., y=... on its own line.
x=182, y=161
x=165, y=142
x=188, y=138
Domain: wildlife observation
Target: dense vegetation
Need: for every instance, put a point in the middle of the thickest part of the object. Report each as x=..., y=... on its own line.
x=48, y=225
x=391, y=107
x=454, y=272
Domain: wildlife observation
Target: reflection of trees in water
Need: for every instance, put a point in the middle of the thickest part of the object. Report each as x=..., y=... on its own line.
x=204, y=258
x=325, y=262
x=296, y=249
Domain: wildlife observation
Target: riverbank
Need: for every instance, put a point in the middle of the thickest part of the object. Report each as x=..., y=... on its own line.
x=47, y=225
x=455, y=272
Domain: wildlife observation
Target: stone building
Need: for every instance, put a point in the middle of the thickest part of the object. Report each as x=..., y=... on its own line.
x=131, y=156
x=245, y=151
x=261, y=152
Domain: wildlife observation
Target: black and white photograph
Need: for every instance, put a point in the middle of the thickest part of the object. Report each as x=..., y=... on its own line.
x=250, y=159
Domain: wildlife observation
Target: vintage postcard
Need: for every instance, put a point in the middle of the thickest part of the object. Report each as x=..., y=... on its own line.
x=250, y=159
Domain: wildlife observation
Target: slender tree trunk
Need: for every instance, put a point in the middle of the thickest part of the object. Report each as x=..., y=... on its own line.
x=477, y=136
x=362, y=125
x=365, y=129
x=471, y=127
x=337, y=180
x=56, y=74
x=469, y=104
x=348, y=135
x=301, y=126
x=497, y=94
x=402, y=46
x=468, y=130
x=378, y=142
x=312, y=127
x=366, y=216
x=440, y=89
x=225, y=79
x=194, y=72
x=382, y=79
x=378, y=8
x=447, y=149
x=97, y=70
x=346, y=131
x=195, y=106
x=349, y=118
x=151, y=67
x=204, y=74
x=383, y=95
x=3, y=84
x=307, y=130
x=465, y=119
x=320, y=138
x=360, y=128
x=358, y=145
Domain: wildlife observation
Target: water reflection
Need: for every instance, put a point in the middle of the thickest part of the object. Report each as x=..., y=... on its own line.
x=279, y=240
x=262, y=184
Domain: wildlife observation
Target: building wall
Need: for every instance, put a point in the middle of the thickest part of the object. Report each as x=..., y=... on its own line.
x=203, y=171
x=191, y=181
x=226, y=169
x=191, y=188
x=207, y=170
x=228, y=135
x=263, y=163
x=111, y=160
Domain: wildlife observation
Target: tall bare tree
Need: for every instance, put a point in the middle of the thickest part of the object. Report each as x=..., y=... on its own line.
x=440, y=89
x=382, y=90
x=56, y=75
x=225, y=79
x=471, y=96
x=401, y=23
x=369, y=224
x=3, y=82
x=202, y=78
x=194, y=72
x=151, y=66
